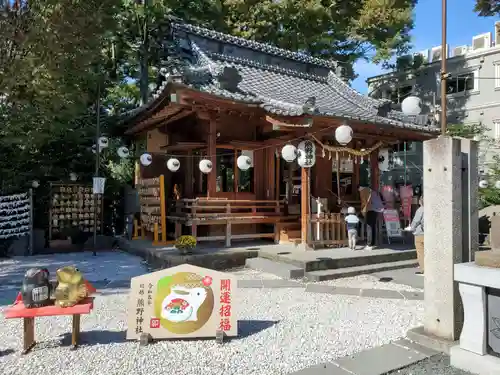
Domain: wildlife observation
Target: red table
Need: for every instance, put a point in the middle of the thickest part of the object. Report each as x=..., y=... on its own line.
x=18, y=310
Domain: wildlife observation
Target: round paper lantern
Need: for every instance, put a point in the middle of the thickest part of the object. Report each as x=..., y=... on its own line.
x=103, y=142
x=307, y=154
x=244, y=162
x=411, y=106
x=35, y=184
x=73, y=176
x=205, y=166
x=343, y=134
x=123, y=152
x=146, y=159
x=483, y=184
x=497, y=184
x=289, y=153
x=173, y=164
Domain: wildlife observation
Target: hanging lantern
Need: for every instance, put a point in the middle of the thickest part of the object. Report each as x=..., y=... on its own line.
x=411, y=106
x=497, y=185
x=146, y=159
x=205, y=166
x=35, y=184
x=103, y=142
x=343, y=134
x=123, y=152
x=73, y=176
x=173, y=164
x=483, y=184
x=244, y=162
x=289, y=153
x=307, y=154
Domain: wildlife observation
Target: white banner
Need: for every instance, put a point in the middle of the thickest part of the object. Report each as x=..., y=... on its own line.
x=392, y=223
x=98, y=185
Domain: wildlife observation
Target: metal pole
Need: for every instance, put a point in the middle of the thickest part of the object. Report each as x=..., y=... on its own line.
x=404, y=146
x=31, y=222
x=97, y=161
x=443, y=67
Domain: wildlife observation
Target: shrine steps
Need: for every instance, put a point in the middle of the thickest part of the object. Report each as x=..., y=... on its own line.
x=330, y=264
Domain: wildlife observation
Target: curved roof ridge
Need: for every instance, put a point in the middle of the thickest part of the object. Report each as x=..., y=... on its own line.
x=246, y=43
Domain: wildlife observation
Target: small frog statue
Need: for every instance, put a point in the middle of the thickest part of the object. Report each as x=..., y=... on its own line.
x=71, y=287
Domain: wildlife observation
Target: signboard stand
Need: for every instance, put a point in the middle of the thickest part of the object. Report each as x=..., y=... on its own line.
x=392, y=225
x=182, y=302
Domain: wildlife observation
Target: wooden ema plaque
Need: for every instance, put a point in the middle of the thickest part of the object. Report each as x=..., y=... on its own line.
x=72, y=206
x=182, y=302
x=153, y=206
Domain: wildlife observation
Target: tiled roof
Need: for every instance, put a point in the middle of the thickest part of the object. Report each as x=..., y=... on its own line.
x=279, y=90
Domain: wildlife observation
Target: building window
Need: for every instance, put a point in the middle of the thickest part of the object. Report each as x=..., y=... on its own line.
x=496, y=125
x=229, y=177
x=400, y=93
x=497, y=75
x=461, y=83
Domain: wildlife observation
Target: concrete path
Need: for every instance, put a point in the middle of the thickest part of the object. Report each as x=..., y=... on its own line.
x=376, y=361
x=327, y=289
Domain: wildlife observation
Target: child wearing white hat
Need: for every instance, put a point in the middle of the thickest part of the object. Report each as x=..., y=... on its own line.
x=352, y=222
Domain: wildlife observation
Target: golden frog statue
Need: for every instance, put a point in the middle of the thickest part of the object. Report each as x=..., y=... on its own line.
x=71, y=287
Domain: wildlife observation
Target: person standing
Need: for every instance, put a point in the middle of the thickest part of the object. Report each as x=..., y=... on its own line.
x=371, y=207
x=417, y=227
x=352, y=222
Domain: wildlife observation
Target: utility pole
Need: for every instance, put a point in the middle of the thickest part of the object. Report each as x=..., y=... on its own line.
x=97, y=161
x=443, y=67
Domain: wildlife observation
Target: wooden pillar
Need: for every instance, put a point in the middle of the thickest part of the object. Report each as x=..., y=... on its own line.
x=304, y=203
x=212, y=150
x=189, y=176
x=277, y=178
x=375, y=172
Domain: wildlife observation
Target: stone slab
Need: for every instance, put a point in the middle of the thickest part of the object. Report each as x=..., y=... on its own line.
x=419, y=336
x=328, y=289
x=281, y=284
x=381, y=293
x=474, y=363
x=285, y=270
x=490, y=258
x=322, y=369
x=250, y=284
x=405, y=343
x=413, y=296
x=380, y=360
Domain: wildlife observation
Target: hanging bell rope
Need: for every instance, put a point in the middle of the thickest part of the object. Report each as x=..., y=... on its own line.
x=350, y=151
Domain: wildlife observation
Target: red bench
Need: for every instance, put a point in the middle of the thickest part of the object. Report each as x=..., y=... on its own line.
x=18, y=310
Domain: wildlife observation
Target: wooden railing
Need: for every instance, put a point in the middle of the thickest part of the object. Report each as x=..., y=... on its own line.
x=330, y=230
x=220, y=211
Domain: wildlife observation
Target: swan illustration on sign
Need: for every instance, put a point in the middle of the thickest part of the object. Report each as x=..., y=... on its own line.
x=182, y=304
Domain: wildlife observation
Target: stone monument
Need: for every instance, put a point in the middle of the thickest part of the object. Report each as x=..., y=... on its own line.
x=450, y=192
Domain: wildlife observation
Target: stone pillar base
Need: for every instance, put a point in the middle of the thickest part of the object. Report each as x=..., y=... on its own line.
x=474, y=363
x=421, y=337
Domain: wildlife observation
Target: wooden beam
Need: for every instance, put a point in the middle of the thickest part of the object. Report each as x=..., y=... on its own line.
x=304, y=204
x=212, y=151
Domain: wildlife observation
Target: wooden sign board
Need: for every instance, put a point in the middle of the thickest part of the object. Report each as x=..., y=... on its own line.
x=182, y=302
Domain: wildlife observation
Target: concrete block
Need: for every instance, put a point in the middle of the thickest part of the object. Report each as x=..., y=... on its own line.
x=287, y=271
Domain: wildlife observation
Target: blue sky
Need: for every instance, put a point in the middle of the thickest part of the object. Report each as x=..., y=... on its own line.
x=463, y=24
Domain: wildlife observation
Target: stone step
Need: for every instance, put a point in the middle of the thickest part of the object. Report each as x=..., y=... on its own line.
x=284, y=270
x=352, y=259
x=358, y=270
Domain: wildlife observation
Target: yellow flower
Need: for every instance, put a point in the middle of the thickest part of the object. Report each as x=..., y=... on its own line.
x=185, y=242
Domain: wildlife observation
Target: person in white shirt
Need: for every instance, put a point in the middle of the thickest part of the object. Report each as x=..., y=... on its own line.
x=352, y=222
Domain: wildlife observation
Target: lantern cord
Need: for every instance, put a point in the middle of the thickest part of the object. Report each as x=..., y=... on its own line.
x=350, y=151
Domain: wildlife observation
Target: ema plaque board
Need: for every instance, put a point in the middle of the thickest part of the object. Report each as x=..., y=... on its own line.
x=182, y=302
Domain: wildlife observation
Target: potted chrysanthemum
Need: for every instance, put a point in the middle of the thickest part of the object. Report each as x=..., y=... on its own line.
x=185, y=244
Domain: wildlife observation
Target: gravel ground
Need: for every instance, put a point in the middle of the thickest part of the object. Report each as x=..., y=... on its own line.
x=436, y=365
x=280, y=331
x=369, y=282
